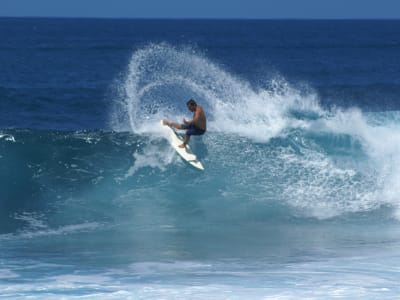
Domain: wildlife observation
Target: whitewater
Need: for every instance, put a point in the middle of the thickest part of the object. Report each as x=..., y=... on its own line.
x=298, y=200
x=321, y=162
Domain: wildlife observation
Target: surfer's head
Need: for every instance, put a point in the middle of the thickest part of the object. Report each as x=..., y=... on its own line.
x=191, y=104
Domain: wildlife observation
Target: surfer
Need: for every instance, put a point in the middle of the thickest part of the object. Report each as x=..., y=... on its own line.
x=196, y=126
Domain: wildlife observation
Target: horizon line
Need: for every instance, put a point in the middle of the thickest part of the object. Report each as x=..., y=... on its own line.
x=202, y=18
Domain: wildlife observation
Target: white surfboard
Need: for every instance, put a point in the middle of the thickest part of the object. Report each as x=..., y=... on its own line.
x=186, y=153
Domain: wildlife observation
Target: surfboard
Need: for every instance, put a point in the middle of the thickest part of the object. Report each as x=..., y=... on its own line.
x=186, y=153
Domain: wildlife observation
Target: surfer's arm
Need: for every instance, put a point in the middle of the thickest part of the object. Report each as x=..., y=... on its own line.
x=196, y=117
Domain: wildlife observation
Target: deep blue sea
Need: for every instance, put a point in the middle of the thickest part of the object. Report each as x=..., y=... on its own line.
x=300, y=197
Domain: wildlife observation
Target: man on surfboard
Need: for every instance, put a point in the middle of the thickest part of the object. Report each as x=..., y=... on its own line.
x=196, y=126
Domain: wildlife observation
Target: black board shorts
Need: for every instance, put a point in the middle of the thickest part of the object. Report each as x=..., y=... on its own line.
x=193, y=129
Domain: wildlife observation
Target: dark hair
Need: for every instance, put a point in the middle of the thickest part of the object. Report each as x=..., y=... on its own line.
x=191, y=102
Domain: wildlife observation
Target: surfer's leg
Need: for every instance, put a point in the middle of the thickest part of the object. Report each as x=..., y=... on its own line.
x=171, y=124
x=185, y=141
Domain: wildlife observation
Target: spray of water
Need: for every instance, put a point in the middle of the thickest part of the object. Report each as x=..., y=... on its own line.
x=160, y=78
x=314, y=178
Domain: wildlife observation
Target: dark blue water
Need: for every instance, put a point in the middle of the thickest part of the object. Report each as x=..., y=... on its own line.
x=58, y=73
x=300, y=193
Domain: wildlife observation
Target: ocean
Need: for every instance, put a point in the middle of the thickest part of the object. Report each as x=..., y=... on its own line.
x=300, y=197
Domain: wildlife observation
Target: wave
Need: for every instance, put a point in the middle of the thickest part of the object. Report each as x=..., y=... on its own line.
x=272, y=153
x=57, y=183
x=334, y=160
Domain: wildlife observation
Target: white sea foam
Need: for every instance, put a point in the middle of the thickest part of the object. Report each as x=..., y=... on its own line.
x=359, y=278
x=36, y=226
x=7, y=137
x=153, y=156
x=381, y=143
x=6, y=274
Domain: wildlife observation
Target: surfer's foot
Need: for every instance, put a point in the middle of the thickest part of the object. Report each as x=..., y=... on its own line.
x=182, y=146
